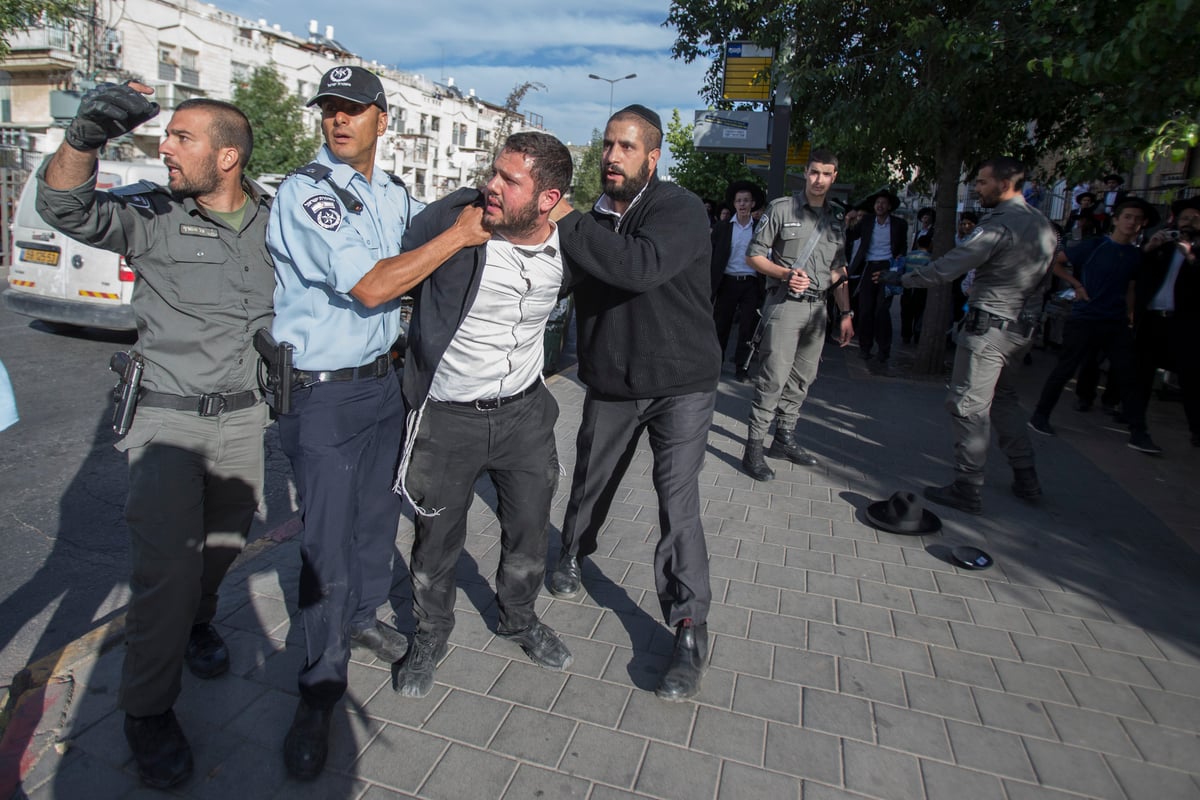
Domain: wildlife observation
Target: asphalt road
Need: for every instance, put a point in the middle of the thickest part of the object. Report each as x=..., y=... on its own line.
x=64, y=550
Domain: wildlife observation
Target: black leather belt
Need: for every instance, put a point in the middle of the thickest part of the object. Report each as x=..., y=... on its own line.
x=807, y=296
x=376, y=369
x=492, y=403
x=206, y=405
x=729, y=277
x=1000, y=323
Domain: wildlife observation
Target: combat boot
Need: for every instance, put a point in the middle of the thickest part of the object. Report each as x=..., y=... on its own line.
x=755, y=464
x=1025, y=483
x=960, y=495
x=785, y=446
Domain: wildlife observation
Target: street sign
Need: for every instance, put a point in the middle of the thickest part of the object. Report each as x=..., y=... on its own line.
x=797, y=156
x=747, y=74
x=730, y=131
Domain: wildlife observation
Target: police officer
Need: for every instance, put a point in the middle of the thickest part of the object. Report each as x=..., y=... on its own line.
x=807, y=234
x=1010, y=252
x=335, y=235
x=195, y=451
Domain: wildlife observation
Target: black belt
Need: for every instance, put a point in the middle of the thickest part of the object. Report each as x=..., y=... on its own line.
x=729, y=277
x=807, y=296
x=206, y=405
x=1000, y=323
x=492, y=403
x=376, y=369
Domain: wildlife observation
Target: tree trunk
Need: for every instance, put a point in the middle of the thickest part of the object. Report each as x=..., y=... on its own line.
x=931, y=350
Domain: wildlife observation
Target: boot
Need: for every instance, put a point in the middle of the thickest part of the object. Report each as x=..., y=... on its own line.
x=784, y=446
x=960, y=495
x=755, y=464
x=688, y=662
x=565, y=580
x=206, y=654
x=306, y=745
x=161, y=751
x=414, y=678
x=1025, y=483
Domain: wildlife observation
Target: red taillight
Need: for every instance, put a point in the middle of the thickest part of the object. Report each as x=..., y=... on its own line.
x=124, y=273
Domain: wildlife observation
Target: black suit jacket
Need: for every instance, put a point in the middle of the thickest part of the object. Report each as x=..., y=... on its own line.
x=1152, y=273
x=866, y=231
x=722, y=244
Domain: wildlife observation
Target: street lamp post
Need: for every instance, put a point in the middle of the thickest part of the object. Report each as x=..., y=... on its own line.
x=611, y=83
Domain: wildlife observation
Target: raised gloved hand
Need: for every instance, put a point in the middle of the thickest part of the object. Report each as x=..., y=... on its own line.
x=889, y=277
x=107, y=111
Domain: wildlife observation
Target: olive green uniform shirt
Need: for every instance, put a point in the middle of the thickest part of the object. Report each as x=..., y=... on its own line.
x=784, y=233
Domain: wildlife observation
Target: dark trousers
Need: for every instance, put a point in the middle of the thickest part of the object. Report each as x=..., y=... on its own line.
x=912, y=308
x=514, y=445
x=874, y=312
x=194, y=485
x=1087, y=382
x=1083, y=339
x=343, y=440
x=607, y=439
x=739, y=296
x=1168, y=342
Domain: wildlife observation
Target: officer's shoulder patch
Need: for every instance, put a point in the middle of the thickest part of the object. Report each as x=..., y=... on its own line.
x=313, y=170
x=324, y=211
x=136, y=194
x=394, y=178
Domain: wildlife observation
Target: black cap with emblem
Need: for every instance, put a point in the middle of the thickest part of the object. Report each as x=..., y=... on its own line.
x=352, y=83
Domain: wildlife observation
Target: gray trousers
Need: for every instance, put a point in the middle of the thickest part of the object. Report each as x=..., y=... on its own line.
x=790, y=354
x=194, y=485
x=982, y=394
x=608, y=436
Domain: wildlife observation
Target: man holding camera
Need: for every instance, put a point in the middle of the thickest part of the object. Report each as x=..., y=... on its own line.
x=1010, y=252
x=195, y=449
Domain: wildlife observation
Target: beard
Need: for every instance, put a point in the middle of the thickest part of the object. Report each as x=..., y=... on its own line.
x=514, y=222
x=629, y=188
x=206, y=180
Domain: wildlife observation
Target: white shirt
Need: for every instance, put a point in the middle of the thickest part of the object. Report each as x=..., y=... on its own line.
x=881, y=241
x=742, y=234
x=1164, y=298
x=498, y=351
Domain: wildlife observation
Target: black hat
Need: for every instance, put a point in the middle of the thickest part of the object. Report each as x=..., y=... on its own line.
x=1112, y=176
x=1180, y=206
x=756, y=192
x=1150, y=212
x=641, y=111
x=930, y=211
x=1089, y=195
x=352, y=83
x=869, y=202
x=903, y=513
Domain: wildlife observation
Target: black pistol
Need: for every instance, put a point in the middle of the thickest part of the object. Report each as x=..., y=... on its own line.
x=277, y=357
x=129, y=366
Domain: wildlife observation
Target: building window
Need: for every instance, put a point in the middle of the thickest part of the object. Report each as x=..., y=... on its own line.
x=483, y=139
x=435, y=124
x=168, y=67
x=189, y=72
x=241, y=73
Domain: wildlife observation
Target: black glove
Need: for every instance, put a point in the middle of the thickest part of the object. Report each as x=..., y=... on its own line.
x=889, y=277
x=107, y=111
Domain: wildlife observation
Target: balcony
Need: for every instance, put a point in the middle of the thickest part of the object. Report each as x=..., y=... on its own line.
x=39, y=49
x=189, y=77
x=167, y=72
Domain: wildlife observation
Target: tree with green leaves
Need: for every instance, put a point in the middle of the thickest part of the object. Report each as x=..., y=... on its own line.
x=702, y=173
x=23, y=15
x=586, y=189
x=282, y=141
x=923, y=90
x=483, y=169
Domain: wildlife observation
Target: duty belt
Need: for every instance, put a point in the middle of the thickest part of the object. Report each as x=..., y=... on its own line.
x=206, y=405
x=977, y=315
x=492, y=403
x=807, y=296
x=375, y=369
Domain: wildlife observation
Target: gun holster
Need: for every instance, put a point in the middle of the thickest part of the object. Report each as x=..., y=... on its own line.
x=129, y=366
x=276, y=380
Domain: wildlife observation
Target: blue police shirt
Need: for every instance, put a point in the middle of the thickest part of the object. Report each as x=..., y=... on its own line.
x=321, y=251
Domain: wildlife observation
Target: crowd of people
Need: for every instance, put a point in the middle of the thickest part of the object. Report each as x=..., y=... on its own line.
x=317, y=275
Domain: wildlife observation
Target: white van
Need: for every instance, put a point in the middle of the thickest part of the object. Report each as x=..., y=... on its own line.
x=56, y=279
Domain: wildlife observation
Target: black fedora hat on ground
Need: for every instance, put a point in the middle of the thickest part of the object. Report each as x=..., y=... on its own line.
x=903, y=513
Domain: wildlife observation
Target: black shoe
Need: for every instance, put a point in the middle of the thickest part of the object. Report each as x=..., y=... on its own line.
x=1040, y=423
x=755, y=464
x=963, y=496
x=742, y=375
x=307, y=743
x=1025, y=483
x=784, y=446
x=206, y=654
x=688, y=662
x=1141, y=441
x=162, y=752
x=388, y=644
x=565, y=580
x=542, y=645
x=415, y=676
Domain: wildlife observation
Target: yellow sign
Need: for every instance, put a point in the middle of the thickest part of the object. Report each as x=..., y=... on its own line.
x=797, y=156
x=747, y=73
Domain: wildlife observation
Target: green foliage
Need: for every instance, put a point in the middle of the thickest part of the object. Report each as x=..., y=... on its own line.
x=22, y=15
x=587, y=190
x=704, y=174
x=281, y=139
x=483, y=170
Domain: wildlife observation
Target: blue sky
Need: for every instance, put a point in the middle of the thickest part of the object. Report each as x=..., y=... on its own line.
x=492, y=47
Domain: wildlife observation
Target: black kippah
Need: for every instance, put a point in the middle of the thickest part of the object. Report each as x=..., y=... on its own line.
x=641, y=111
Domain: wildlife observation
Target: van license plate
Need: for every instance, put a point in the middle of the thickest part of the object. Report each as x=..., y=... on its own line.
x=40, y=256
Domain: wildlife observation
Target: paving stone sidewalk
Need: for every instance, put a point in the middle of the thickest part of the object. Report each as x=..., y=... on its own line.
x=847, y=662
